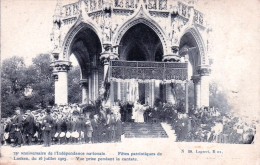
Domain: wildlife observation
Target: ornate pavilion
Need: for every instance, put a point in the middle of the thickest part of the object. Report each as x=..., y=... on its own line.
x=141, y=47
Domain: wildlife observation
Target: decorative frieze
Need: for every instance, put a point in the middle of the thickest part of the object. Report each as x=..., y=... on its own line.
x=123, y=12
x=159, y=14
x=69, y=20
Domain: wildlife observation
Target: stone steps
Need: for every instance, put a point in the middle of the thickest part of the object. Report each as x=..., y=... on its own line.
x=144, y=130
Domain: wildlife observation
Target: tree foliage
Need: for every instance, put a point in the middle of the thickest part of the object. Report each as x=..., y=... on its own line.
x=74, y=85
x=16, y=79
x=218, y=97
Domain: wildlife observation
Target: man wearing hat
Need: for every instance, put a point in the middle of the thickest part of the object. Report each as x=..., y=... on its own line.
x=39, y=125
x=18, y=122
x=47, y=127
x=28, y=128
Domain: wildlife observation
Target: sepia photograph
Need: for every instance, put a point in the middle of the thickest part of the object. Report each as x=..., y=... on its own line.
x=130, y=82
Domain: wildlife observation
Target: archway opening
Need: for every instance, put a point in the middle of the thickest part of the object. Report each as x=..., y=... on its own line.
x=189, y=48
x=86, y=47
x=141, y=43
x=189, y=44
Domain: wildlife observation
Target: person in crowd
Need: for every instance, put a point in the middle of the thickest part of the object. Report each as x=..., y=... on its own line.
x=118, y=128
x=88, y=129
x=110, y=127
x=40, y=126
x=96, y=128
x=9, y=131
x=2, y=131
x=28, y=128
x=79, y=127
x=47, y=127
x=73, y=129
x=81, y=130
x=69, y=130
x=102, y=127
x=63, y=128
x=54, y=129
x=18, y=125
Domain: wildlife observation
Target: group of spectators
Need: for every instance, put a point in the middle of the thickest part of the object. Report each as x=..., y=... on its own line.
x=70, y=124
x=209, y=125
x=61, y=125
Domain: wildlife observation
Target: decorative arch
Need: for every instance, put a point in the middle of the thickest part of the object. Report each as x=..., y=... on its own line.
x=74, y=30
x=196, y=35
x=150, y=23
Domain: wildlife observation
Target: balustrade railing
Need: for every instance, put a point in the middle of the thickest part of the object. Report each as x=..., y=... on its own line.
x=198, y=17
x=90, y=6
x=183, y=10
x=71, y=9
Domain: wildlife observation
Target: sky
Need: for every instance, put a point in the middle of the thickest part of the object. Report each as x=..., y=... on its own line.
x=26, y=26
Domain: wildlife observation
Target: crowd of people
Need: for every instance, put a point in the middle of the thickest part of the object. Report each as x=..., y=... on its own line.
x=70, y=124
x=61, y=125
x=209, y=125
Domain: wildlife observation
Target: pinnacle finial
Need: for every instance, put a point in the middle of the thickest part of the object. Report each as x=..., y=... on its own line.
x=58, y=8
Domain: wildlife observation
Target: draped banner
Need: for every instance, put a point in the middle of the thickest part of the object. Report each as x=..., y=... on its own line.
x=148, y=70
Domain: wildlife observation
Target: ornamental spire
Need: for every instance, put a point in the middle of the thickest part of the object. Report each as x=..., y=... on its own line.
x=57, y=12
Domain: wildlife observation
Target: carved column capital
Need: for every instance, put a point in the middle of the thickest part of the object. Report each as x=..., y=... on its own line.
x=60, y=66
x=196, y=79
x=108, y=53
x=204, y=71
x=174, y=56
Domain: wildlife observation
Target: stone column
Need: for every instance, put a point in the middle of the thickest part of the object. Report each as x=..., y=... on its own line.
x=204, y=85
x=60, y=73
x=90, y=88
x=119, y=90
x=85, y=91
x=105, y=57
x=197, y=99
x=95, y=84
x=171, y=57
x=186, y=97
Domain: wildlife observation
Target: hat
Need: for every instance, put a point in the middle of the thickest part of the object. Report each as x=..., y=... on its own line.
x=56, y=134
x=75, y=134
x=18, y=108
x=68, y=135
x=62, y=134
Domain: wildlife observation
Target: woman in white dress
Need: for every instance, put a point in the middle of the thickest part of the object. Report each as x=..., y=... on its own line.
x=138, y=112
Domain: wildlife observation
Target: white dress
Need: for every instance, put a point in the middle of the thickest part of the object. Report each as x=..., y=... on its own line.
x=139, y=116
x=138, y=113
